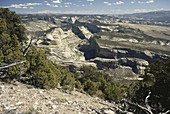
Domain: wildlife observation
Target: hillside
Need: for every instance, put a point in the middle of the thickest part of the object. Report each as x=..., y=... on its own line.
x=58, y=60
x=21, y=98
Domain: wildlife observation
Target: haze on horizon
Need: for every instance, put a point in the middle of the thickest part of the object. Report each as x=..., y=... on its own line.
x=85, y=6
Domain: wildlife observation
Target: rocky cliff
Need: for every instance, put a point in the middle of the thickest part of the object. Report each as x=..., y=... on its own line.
x=121, y=49
x=128, y=61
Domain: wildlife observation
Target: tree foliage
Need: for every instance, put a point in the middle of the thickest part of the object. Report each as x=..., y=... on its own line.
x=13, y=24
x=46, y=74
x=100, y=84
x=42, y=71
x=10, y=48
x=157, y=80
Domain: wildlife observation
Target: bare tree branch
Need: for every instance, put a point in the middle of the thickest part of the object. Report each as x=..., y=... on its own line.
x=113, y=108
x=28, y=47
x=139, y=106
x=13, y=64
x=24, y=53
x=147, y=101
x=165, y=112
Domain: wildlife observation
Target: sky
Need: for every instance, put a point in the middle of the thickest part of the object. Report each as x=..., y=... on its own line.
x=85, y=6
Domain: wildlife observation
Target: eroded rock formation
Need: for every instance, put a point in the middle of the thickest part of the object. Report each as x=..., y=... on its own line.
x=121, y=49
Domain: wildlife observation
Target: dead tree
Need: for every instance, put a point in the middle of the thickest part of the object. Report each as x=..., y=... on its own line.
x=147, y=108
x=167, y=112
x=13, y=64
x=21, y=62
x=28, y=47
x=147, y=101
x=139, y=107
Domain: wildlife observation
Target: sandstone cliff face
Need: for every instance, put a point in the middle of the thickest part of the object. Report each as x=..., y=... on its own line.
x=121, y=49
x=127, y=62
x=63, y=43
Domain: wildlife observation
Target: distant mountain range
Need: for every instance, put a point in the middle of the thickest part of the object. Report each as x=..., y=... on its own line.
x=156, y=15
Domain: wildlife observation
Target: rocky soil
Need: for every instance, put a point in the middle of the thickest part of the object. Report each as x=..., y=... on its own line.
x=18, y=98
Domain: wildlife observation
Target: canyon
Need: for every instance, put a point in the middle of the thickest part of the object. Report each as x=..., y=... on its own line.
x=109, y=43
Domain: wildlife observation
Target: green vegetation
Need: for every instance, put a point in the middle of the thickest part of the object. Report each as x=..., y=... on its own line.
x=11, y=36
x=13, y=24
x=157, y=80
x=43, y=73
x=100, y=84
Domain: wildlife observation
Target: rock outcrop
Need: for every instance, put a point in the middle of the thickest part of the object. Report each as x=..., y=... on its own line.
x=121, y=49
x=119, y=61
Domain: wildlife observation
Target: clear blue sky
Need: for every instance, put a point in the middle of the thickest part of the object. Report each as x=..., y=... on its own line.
x=85, y=6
